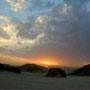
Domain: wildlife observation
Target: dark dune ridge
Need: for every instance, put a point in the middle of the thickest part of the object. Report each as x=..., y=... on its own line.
x=33, y=68
x=9, y=68
x=83, y=71
x=51, y=72
x=22, y=68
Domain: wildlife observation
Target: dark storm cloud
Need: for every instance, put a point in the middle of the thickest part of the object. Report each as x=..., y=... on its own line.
x=72, y=29
x=67, y=31
x=28, y=28
x=55, y=29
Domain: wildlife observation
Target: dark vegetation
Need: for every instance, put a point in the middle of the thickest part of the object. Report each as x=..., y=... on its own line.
x=24, y=68
x=33, y=68
x=52, y=72
x=56, y=72
x=9, y=68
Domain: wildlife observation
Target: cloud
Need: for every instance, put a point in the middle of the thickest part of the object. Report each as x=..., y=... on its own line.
x=54, y=28
x=13, y=35
x=16, y=5
x=42, y=6
x=68, y=30
x=66, y=25
x=3, y=34
x=5, y=18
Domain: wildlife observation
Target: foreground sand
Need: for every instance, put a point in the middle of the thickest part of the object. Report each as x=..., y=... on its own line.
x=35, y=81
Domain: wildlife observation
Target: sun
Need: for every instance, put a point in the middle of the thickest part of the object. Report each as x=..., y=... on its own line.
x=46, y=63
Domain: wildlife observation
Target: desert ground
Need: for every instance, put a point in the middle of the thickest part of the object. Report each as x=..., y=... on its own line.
x=37, y=81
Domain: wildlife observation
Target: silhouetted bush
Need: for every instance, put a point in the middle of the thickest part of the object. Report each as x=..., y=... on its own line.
x=9, y=68
x=13, y=69
x=2, y=67
x=56, y=72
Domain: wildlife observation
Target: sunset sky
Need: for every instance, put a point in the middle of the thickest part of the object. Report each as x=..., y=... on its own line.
x=45, y=32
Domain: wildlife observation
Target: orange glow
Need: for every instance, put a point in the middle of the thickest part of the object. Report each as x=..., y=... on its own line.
x=9, y=59
x=20, y=60
x=47, y=62
x=13, y=59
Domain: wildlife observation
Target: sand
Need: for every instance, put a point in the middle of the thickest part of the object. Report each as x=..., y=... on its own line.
x=37, y=81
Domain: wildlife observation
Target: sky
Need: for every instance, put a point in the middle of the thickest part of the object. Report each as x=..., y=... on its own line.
x=46, y=32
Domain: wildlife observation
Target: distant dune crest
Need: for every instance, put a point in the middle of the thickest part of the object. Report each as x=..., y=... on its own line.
x=50, y=72
x=83, y=71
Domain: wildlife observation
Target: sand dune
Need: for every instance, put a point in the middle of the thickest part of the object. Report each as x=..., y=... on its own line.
x=37, y=81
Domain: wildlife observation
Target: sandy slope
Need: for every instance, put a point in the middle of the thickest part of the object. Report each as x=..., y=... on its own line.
x=30, y=81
